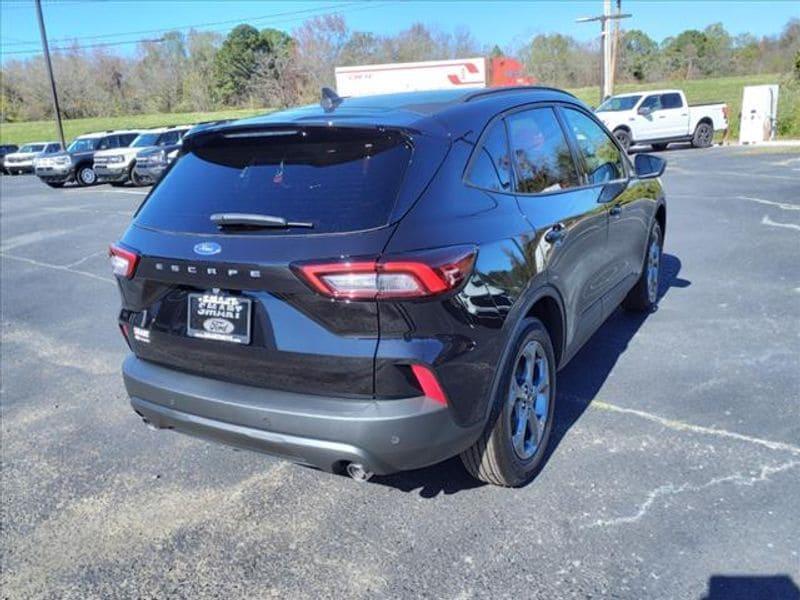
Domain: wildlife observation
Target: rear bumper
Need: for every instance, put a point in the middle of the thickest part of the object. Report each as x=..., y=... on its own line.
x=324, y=432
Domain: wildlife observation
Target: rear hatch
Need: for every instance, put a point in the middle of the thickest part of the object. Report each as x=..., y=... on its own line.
x=219, y=239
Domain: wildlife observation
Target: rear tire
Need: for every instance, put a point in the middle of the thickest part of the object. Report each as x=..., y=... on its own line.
x=659, y=147
x=703, y=136
x=511, y=449
x=643, y=296
x=624, y=138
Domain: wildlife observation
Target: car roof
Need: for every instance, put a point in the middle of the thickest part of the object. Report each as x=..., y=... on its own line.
x=646, y=93
x=435, y=112
x=97, y=134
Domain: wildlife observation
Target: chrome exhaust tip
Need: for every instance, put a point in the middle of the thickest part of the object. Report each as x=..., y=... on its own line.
x=357, y=472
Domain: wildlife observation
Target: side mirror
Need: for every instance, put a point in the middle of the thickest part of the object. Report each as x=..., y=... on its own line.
x=648, y=166
x=645, y=111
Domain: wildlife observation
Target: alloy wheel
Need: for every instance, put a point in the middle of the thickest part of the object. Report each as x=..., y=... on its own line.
x=529, y=399
x=653, y=263
x=88, y=176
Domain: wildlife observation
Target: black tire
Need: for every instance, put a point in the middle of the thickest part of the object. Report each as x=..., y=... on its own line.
x=495, y=458
x=703, y=136
x=624, y=138
x=135, y=179
x=85, y=176
x=55, y=184
x=659, y=147
x=643, y=297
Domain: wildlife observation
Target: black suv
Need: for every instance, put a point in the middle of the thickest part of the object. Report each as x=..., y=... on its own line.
x=77, y=163
x=381, y=283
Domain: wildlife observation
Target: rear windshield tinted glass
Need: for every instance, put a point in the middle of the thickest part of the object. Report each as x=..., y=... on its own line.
x=337, y=179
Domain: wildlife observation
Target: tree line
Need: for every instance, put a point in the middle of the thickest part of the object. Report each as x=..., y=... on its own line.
x=202, y=71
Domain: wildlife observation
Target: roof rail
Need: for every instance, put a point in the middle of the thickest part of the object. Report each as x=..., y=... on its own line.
x=514, y=88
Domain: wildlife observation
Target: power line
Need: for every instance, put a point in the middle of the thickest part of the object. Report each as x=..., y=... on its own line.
x=87, y=46
x=196, y=25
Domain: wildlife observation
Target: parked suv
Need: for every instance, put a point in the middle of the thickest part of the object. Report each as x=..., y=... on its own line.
x=76, y=163
x=388, y=281
x=4, y=150
x=21, y=161
x=117, y=166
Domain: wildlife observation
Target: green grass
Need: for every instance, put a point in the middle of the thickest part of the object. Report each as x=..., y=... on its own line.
x=723, y=89
x=31, y=131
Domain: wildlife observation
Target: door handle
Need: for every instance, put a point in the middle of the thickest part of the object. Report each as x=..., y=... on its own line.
x=555, y=233
x=615, y=210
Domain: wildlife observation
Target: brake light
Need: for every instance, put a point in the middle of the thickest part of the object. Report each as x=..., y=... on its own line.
x=415, y=275
x=123, y=261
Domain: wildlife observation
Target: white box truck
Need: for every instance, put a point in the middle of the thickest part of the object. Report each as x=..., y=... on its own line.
x=367, y=80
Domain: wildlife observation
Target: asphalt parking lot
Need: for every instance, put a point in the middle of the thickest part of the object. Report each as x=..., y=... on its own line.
x=675, y=473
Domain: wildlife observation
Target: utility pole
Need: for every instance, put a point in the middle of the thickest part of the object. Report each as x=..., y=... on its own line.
x=607, y=79
x=49, y=65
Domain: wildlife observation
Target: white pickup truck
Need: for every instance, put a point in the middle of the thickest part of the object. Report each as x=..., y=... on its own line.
x=660, y=117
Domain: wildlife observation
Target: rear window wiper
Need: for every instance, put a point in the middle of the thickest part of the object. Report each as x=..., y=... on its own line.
x=255, y=220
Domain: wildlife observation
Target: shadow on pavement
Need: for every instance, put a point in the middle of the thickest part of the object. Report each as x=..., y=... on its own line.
x=752, y=587
x=578, y=384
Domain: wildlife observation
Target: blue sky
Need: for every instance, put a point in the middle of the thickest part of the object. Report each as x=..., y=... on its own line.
x=500, y=22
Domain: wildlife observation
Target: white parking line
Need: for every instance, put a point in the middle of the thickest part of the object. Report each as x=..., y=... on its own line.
x=781, y=205
x=680, y=426
x=30, y=238
x=57, y=267
x=767, y=221
x=113, y=191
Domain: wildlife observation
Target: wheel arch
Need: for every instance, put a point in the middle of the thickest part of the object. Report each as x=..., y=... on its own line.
x=706, y=120
x=544, y=303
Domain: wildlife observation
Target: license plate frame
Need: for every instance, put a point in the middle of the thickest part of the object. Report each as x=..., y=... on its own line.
x=224, y=317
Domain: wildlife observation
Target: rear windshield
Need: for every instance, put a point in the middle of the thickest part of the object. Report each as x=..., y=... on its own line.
x=341, y=179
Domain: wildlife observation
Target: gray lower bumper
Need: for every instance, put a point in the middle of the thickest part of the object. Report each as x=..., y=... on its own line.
x=385, y=435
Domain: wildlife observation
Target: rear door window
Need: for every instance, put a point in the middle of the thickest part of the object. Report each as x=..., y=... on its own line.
x=602, y=159
x=541, y=156
x=490, y=168
x=671, y=101
x=126, y=138
x=339, y=179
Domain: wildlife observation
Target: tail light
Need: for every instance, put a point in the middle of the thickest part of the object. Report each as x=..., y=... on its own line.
x=417, y=275
x=123, y=261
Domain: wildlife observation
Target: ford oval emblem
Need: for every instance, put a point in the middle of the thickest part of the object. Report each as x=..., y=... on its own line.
x=217, y=325
x=207, y=248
